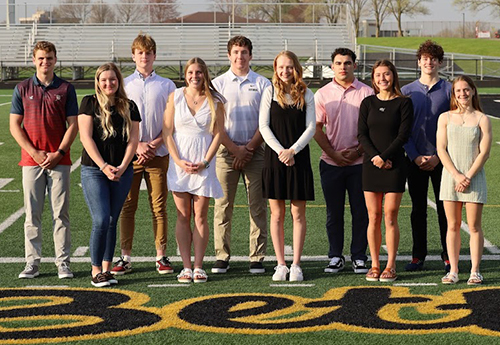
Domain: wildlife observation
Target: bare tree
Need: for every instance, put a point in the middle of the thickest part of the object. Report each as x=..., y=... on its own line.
x=73, y=11
x=162, y=11
x=328, y=10
x=276, y=11
x=101, y=13
x=407, y=7
x=356, y=8
x=478, y=5
x=131, y=11
x=380, y=11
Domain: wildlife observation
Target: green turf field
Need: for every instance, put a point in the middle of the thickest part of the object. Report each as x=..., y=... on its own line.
x=238, y=308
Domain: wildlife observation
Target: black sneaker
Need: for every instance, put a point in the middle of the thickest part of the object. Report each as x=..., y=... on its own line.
x=220, y=266
x=100, y=280
x=359, y=266
x=110, y=277
x=335, y=265
x=257, y=267
x=415, y=265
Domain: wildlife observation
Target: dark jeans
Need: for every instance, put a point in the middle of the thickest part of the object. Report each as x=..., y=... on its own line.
x=418, y=186
x=335, y=181
x=105, y=199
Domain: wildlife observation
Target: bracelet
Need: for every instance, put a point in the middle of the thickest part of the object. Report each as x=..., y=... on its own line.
x=207, y=164
x=104, y=165
x=62, y=152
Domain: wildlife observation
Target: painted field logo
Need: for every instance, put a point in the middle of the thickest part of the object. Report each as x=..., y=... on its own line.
x=35, y=315
x=61, y=315
x=385, y=310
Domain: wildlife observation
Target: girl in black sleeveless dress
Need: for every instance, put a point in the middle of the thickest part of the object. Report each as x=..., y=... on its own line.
x=287, y=124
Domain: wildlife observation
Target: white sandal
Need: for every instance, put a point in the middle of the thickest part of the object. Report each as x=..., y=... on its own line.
x=475, y=279
x=185, y=276
x=200, y=276
x=450, y=278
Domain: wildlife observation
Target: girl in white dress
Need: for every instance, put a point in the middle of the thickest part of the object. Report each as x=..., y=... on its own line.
x=193, y=118
x=463, y=146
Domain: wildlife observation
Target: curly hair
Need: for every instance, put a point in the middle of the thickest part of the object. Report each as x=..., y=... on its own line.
x=431, y=49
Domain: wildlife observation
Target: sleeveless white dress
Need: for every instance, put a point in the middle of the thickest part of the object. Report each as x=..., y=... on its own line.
x=192, y=138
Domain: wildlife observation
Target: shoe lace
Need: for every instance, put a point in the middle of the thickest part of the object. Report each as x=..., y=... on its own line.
x=64, y=266
x=359, y=263
x=335, y=261
x=28, y=267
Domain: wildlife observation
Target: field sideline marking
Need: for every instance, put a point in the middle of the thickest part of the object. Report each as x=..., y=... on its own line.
x=19, y=213
x=1, y=104
x=487, y=244
x=292, y=285
x=168, y=285
x=269, y=259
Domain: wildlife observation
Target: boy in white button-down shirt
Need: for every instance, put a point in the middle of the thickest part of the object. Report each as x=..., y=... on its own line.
x=150, y=92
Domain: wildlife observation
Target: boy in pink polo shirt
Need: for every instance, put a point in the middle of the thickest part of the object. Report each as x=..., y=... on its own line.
x=337, y=109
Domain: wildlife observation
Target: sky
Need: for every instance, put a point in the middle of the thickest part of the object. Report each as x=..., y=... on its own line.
x=441, y=10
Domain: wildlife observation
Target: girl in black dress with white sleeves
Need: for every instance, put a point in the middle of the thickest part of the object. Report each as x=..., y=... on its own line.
x=287, y=123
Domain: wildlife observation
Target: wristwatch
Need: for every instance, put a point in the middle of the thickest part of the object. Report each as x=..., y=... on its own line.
x=207, y=164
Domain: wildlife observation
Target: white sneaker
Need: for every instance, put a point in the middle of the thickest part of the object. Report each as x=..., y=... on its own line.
x=281, y=272
x=296, y=273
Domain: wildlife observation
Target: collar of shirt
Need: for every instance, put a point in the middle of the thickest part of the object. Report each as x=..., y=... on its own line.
x=234, y=77
x=353, y=85
x=141, y=76
x=426, y=88
x=56, y=81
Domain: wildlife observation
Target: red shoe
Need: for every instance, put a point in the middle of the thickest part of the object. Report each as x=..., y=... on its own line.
x=163, y=266
x=122, y=267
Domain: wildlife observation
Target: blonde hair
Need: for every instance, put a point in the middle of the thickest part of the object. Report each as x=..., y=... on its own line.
x=144, y=42
x=208, y=88
x=121, y=103
x=454, y=105
x=297, y=87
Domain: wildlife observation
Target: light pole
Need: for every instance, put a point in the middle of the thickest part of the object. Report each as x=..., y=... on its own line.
x=463, y=25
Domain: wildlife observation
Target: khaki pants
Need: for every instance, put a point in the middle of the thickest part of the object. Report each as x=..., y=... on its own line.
x=37, y=181
x=155, y=175
x=223, y=212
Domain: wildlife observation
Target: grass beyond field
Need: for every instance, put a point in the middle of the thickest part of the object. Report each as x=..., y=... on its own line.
x=238, y=308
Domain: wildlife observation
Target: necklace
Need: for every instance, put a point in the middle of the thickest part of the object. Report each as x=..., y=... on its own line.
x=463, y=117
x=195, y=100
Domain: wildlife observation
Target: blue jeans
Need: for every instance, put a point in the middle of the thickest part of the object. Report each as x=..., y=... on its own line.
x=336, y=181
x=105, y=199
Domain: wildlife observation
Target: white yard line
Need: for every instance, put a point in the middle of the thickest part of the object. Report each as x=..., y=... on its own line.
x=291, y=285
x=168, y=285
x=80, y=251
x=415, y=284
x=270, y=260
x=47, y=286
x=2, y=104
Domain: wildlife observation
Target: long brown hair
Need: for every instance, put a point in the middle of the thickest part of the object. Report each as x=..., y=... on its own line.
x=297, y=87
x=475, y=98
x=208, y=88
x=395, y=85
x=121, y=103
